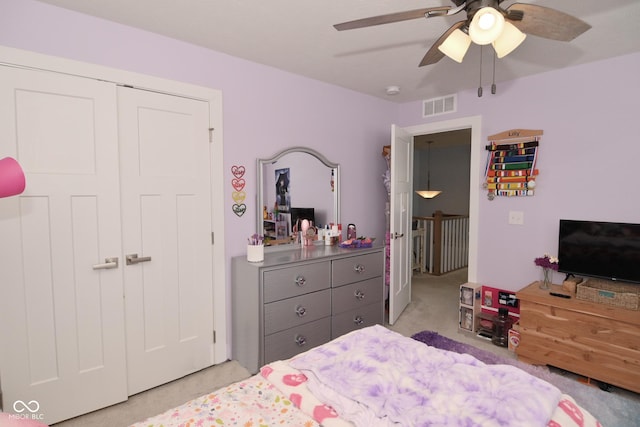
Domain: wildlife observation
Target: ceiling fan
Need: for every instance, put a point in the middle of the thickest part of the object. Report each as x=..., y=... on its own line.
x=486, y=23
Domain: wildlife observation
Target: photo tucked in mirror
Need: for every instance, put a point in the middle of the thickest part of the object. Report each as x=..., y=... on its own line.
x=295, y=185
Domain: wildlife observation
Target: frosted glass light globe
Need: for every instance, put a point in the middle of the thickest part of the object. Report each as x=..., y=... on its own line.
x=486, y=21
x=486, y=25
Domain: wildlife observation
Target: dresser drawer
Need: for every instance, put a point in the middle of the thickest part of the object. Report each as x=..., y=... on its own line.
x=356, y=268
x=356, y=319
x=296, y=280
x=288, y=343
x=359, y=294
x=290, y=312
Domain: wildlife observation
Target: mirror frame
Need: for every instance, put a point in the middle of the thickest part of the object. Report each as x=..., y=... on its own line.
x=260, y=189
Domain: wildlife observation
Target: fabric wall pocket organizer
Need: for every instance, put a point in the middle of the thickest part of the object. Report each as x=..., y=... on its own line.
x=511, y=163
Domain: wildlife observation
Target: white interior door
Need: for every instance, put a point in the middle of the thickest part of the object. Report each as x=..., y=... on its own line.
x=166, y=203
x=401, y=208
x=61, y=320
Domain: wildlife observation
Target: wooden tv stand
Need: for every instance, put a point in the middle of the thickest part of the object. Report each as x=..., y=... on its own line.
x=594, y=340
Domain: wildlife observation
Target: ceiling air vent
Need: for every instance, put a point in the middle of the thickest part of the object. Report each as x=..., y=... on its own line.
x=437, y=106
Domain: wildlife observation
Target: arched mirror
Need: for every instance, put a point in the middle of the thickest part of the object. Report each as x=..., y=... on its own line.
x=297, y=183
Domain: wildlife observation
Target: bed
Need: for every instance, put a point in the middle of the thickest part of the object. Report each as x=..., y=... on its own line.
x=377, y=377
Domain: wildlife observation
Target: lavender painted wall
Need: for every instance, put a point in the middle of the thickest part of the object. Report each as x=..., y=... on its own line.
x=588, y=159
x=264, y=109
x=583, y=112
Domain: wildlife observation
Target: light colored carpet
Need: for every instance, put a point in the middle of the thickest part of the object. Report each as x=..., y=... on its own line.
x=434, y=307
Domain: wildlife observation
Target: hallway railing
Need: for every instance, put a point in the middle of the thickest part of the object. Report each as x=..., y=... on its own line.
x=441, y=243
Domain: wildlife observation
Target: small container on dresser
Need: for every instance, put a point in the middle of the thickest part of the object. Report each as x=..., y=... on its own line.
x=298, y=299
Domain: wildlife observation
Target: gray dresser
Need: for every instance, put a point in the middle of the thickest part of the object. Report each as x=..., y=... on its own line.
x=298, y=299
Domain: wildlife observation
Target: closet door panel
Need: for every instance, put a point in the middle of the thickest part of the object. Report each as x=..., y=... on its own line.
x=166, y=202
x=61, y=320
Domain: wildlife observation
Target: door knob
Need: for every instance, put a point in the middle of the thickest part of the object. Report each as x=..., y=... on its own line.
x=108, y=263
x=135, y=259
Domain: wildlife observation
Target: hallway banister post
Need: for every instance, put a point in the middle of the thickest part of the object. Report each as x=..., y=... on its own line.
x=437, y=242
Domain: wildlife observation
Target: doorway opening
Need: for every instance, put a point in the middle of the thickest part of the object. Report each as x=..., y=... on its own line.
x=472, y=125
x=440, y=226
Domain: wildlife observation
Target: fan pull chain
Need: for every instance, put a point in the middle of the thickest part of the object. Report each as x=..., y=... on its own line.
x=493, y=84
x=480, y=83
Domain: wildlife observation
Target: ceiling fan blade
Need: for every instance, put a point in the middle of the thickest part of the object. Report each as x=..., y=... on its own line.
x=434, y=55
x=389, y=18
x=548, y=23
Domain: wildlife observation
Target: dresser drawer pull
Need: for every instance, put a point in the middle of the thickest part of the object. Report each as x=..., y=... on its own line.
x=300, y=281
x=301, y=340
x=301, y=311
x=358, y=320
x=359, y=268
x=359, y=295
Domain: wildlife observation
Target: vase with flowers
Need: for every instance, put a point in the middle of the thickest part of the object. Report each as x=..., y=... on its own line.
x=548, y=263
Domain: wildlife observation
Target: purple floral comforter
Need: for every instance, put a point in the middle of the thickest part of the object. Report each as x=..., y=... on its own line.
x=375, y=376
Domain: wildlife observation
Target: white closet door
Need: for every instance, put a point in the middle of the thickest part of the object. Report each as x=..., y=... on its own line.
x=61, y=321
x=166, y=202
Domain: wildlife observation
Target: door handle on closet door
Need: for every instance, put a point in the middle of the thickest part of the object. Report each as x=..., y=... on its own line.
x=108, y=263
x=134, y=259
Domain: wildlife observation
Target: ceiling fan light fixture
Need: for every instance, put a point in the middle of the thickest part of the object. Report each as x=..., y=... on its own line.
x=486, y=26
x=456, y=45
x=509, y=40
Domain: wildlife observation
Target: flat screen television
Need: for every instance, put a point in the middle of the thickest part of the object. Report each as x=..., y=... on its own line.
x=608, y=250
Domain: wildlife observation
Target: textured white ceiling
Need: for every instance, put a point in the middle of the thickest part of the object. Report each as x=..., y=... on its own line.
x=298, y=36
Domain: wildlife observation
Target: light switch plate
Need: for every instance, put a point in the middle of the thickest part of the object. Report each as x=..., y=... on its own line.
x=516, y=217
